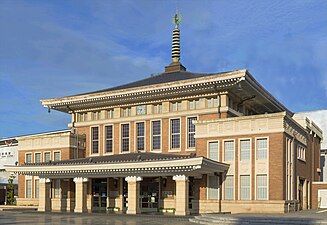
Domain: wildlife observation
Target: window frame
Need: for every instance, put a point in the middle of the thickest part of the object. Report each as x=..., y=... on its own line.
x=171, y=149
x=41, y=158
x=208, y=187
x=44, y=158
x=257, y=187
x=91, y=140
x=188, y=148
x=136, y=142
x=208, y=149
x=28, y=179
x=240, y=149
x=256, y=148
x=58, y=151
x=151, y=133
x=233, y=187
x=105, y=139
x=244, y=187
x=28, y=153
x=224, y=152
x=121, y=138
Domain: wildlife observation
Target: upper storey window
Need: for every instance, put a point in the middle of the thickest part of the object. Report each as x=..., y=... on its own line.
x=191, y=132
x=126, y=112
x=140, y=136
x=262, y=148
x=176, y=106
x=157, y=108
x=94, y=140
x=175, y=127
x=212, y=102
x=301, y=153
x=156, y=135
x=96, y=115
x=229, y=149
x=83, y=117
x=28, y=158
x=245, y=150
x=109, y=136
x=125, y=138
x=110, y=114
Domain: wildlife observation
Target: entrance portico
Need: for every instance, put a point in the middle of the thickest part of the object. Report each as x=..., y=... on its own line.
x=166, y=175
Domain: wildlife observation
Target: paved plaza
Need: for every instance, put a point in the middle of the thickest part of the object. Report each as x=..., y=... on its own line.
x=37, y=218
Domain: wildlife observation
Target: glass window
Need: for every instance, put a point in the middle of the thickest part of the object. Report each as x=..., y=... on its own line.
x=229, y=150
x=56, y=156
x=174, y=106
x=110, y=114
x=191, y=132
x=57, y=189
x=156, y=135
x=28, y=189
x=108, y=146
x=126, y=112
x=215, y=102
x=262, y=148
x=179, y=106
x=95, y=140
x=28, y=158
x=197, y=104
x=191, y=106
x=47, y=157
x=213, y=189
x=229, y=187
x=245, y=150
x=245, y=187
x=209, y=102
x=140, y=136
x=261, y=187
x=125, y=137
x=37, y=157
x=36, y=188
x=175, y=133
x=213, y=150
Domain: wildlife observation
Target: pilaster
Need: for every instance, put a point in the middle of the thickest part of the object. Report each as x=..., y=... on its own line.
x=133, y=194
x=182, y=195
x=80, y=194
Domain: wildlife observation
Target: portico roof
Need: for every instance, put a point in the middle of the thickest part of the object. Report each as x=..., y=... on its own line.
x=140, y=164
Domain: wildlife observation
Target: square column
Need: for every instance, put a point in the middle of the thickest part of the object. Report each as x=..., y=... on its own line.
x=182, y=195
x=80, y=194
x=133, y=194
x=44, y=195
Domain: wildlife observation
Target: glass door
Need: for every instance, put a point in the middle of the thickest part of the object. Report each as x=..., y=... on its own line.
x=149, y=195
x=99, y=194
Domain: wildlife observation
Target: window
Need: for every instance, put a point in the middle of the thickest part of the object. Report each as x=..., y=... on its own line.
x=213, y=150
x=47, y=157
x=245, y=187
x=262, y=187
x=36, y=188
x=262, y=148
x=157, y=108
x=28, y=158
x=175, y=133
x=197, y=104
x=56, y=156
x=191, y=104
x=156, y=135
x=301, y=153
x=108, y=136
x=28, y=189
x=176, y=106
x=209, y=102
x=229, y=150
x=37, y=158
x=125, y=137
x=213, y=187
x=57, y=189
x=83, y=116
x=95, y=115
x=229, y=187
x=110, y=114
x=245, y=150
x=191, y=132
x=140, y=136
x=215, y=102
x=94, y=140
x=126, y=112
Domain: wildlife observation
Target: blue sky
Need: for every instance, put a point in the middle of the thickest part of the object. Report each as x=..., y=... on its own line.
x=58, y=48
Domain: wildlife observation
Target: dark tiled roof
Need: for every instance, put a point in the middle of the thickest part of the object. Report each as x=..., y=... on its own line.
x=157, y=79
x=113, y=159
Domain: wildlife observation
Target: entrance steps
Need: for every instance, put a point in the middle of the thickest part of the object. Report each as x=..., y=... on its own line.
x=255, y=220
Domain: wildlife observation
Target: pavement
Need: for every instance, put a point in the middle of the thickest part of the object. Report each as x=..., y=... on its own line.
x=37, y=218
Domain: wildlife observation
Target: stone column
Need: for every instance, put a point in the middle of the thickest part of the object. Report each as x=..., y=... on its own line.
x=80, y=194
x=181, y=202
x=133, y=194
x=44, y=195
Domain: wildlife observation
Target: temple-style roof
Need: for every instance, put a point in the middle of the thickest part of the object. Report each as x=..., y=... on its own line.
x=132, y=164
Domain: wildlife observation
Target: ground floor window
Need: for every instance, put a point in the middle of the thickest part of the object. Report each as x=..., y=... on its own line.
x=36, y=188
x=245, y=187
x=229, y=187
x=57, y=189
x=213, y=187
x=261, y=187
x=28, y=188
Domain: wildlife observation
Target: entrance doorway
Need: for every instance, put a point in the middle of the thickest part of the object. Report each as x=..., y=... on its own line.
x=99, y=194
x=149, y=194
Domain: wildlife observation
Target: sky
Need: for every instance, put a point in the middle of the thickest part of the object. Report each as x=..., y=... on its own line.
x=57, y=48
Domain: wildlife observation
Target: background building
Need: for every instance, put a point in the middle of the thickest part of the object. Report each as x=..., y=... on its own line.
x=8, y=156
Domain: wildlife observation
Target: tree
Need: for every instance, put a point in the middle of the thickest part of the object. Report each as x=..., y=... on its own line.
x=10, y=190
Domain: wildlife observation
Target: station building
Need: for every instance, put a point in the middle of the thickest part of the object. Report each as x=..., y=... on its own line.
x=179, y=141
